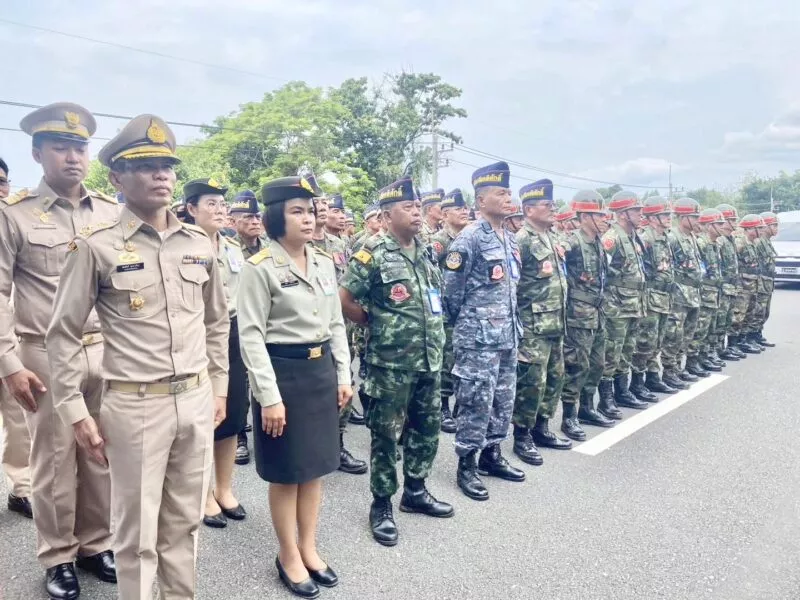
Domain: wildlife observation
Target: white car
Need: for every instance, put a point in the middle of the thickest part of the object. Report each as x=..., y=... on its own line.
x=787, y=245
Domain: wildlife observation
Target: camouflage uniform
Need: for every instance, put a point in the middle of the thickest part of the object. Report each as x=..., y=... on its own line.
x=710, y=291
x=250, y=251
x=480, y=299
x=766, y=284
x=403, y=356
x=440, y=244
x=729, y=271
x=750, y=271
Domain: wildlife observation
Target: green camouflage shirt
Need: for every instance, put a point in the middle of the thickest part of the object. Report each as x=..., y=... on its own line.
x=749, y=267
x=542, y=287
x=728, y=265
x=686, y=262
x=712, y=274
x=403, y=300
x=336, y=247
x=586, y=267
x=248, y=252
x=625, y=292
x=657, y=270
x=440, y=243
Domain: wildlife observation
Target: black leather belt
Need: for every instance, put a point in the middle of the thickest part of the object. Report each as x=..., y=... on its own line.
x=299, y=351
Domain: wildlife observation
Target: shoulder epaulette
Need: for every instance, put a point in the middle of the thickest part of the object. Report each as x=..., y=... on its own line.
x=102, y=196
x=259, y=256
x=19, y=196
x=373, y=242
x=231, y=241
x=194, y=228
x=90, y=230
x=322, y=252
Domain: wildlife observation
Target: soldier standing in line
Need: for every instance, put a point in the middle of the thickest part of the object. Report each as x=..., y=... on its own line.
x=747, y=287
x=394, y=289
x=160, y=298
x=482, y=269
x=71, y=492
x=767, y=256
x=372, y=225
x=658, y=271
x=686, y=291
x=246, y=214
x=710, y=221
x=515, y=220
x=542, y=299
x=431, y=214
x=349, y=227
x=624, y=300
x=731, y=284
x=454, y=220
x=566, y=221
x=754, y=275
x=585, y=340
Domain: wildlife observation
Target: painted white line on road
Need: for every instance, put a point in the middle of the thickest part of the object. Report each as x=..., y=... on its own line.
x=629, y=426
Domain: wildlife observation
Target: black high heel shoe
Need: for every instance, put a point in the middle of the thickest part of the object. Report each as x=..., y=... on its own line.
x=305, y=589
x=326, y=577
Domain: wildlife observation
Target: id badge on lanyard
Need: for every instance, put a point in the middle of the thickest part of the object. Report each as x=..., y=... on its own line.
x=435, y=299
x=233, y=261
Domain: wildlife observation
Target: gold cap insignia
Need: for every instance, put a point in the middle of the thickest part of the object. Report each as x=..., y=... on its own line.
x=305, y=185
x=155, y=134
x=214, y=183
x=72, y=119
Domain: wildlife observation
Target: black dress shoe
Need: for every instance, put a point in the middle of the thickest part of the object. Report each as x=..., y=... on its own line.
x=102, y=565
x=493, y=464
x=544, y=438
x=468, y=480
x=238, y=513
x=524, y=447
x=305, y=589
x=347, y=462
x=654, y=383
x=356, y=418
x=242, y=452
x=20, y=505
x=325, y=577
x=381, y=521
x=417, y=499
x=217, y=521
x=61, y=582
x=448, y=422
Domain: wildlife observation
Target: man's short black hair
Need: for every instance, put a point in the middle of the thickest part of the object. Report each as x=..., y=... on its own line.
x=3, y=167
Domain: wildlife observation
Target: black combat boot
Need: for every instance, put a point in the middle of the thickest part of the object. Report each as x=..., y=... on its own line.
x=448, y=422
x=755, y=341
x=607, y=407
x=638, y=389
x=524, y=447
x=622, y=395
x=347, y=462
x=743, y=343
x=714, y=357
x=688, y=377
x=588, y=415
x=569, y=423
x=543, y=437
x=733, y=346
x=705, y=363
x=417, y=499
x=242, y=452
x=356, y=418
x=763, y=341
x=673, y=379
x=381, y=521
x=654, y=383
x=693, y=367
x=729, y=352
x=467, y=477
x=492, y=463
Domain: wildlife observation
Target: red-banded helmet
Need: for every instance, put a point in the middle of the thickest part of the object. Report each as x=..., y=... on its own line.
x=587, y=201
x=751, y=222
x=623, y=200
x=711, y=215
x=686, y=206
x=655, y=205
x=770, y=218
x=728, y=211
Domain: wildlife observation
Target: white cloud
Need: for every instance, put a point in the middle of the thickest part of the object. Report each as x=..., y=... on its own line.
x=639, y=171
x=779, y=140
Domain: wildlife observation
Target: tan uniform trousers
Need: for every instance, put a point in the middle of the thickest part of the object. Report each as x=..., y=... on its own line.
x=70, y=491
x=159, y=449
x=16, y=445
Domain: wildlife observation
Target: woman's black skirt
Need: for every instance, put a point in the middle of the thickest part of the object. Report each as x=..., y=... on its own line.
x=236, y=410
x=309, y=446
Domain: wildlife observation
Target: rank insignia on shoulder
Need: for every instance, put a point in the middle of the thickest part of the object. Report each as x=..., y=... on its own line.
x=454, y=261
x=259, y=256
x=363, y=256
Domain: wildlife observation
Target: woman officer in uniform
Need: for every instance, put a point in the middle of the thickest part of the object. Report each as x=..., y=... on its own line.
x=205, y=207
x=294, y=346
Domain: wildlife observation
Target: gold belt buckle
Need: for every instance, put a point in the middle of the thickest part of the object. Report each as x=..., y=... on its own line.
x=315, y=352
x=88, y=339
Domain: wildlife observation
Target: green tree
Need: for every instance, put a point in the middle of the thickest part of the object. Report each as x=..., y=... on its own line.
x=97, y=178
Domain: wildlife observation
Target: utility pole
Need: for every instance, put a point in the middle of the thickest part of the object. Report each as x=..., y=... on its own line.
x=435, y=175
x=670, y=182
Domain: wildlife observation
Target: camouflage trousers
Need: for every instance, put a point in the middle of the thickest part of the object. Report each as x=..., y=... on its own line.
x=756, y=313
x=649, y=336
x=620, y=343
x=540, y=377
x=485, y=381
x=680, y=331
x=448, y=360
x=724, y=320
x=705, y=329
x=741, y=306
x=403, y=403
x=584, y=359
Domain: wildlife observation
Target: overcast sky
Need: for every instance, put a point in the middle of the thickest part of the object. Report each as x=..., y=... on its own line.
x=614, y=90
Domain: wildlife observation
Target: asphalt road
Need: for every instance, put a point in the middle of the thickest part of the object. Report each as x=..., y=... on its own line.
x=700, y=504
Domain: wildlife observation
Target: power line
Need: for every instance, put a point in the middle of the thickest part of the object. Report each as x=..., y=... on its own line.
x=458, y=162
x=141, y=50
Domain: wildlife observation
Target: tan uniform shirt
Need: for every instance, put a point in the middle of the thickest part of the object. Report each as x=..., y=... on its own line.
x=161, y=304
x=278, y=304
x=230, y=261
x=35, y=229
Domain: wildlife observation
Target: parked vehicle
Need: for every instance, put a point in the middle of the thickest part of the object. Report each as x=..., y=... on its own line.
x=787, y=245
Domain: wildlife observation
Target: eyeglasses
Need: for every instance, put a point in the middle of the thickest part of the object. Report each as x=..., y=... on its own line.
x=216, y=204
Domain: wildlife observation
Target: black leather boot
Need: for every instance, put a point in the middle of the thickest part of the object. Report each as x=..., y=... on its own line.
x=417, y=499
x=763, y=341
x=693, y=367
x=492, y=463
x=638, y=389
x=654, y=383
x=61, y=582
x=730, y=353
x=743, y=343
x=467, y=477
x=543, y=437
x=356, y=418
x=672, y=379
x=448, y=422
x=607, y=407
x=242, y=452
x=688, y=377
x=347, y=462
x=524, y=447
x=589, y=416
x=569, y=423
x=381, y=521
x=714, y=357
x=755, y=341
x=623, y=397
x=705, y=363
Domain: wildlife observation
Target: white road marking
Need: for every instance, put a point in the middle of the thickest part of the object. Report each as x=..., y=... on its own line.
x=631, y=425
